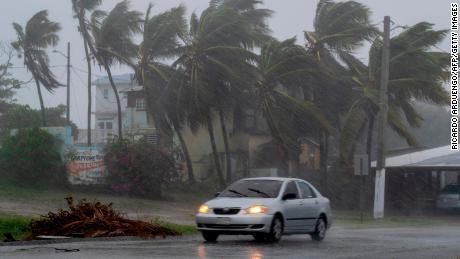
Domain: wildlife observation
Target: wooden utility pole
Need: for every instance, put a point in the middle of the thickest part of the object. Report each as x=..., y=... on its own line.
x=379, y=195
x=68, y=84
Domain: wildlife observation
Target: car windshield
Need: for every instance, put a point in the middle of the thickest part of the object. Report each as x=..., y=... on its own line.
x=451, y=189
x=253, y=189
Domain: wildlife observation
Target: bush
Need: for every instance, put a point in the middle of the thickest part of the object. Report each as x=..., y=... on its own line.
x=31, y=156
x=138, y=168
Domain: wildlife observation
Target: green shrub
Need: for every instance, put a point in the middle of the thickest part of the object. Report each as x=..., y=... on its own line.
x=138, y=168
x=17, y=226
x=31, y=156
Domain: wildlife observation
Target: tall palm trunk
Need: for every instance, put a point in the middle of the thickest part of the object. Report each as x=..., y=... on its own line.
x=42, y=105
x=88, y=62
x=117, y=98
x=188, y=160
x=214, y=150
x=228, y=160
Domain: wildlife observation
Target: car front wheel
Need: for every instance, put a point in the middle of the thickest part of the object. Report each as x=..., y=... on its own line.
x=320, y=230
x=209, y=236
x=276, y=230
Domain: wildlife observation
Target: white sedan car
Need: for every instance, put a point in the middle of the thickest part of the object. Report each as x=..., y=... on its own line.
x=267, y=208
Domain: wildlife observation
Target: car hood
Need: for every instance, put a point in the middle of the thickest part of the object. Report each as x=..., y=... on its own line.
x=239, y=202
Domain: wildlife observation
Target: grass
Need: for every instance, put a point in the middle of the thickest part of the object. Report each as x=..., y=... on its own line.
x=352, y=219
x=18, y=226
x=180, y=228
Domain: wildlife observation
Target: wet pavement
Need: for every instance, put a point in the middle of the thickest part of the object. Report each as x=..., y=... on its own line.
x=417, y=242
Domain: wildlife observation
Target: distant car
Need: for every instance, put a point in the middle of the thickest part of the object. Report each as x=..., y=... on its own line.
x=266, y=208
x=449, y=198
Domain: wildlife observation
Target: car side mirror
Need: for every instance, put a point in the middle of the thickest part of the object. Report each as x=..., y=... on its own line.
x=289, y=196
x=216, y=194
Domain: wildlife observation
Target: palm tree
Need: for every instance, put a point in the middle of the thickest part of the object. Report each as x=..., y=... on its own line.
x=229, y=93
x=416, y=74
x=80, y=8
x=112, y=33
x=160, y=41
x=216, y=51
x=341, y=26
x=33, y=40
x=283, y=68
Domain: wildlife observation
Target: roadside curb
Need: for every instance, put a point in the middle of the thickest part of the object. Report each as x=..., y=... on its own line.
x=95, y=239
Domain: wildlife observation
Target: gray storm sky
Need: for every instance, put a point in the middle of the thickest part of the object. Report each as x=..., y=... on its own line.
x=291, y=18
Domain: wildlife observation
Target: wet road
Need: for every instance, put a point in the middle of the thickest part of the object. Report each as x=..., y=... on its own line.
x=420, y=242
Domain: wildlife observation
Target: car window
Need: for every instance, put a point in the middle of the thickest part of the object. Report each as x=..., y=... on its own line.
x=292, y=188
x=306, y=190
x=253, y=189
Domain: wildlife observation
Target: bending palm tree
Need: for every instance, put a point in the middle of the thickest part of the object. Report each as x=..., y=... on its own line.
x=160, y=41
x=420, y=81
x=80, y=8
x=39, y=34
x=214, y=56
x=284, y=67
x=341, y=26
x=112, y=33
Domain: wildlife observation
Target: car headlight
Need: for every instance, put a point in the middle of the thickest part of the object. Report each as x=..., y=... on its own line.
x=256, y=209
x=203, y=209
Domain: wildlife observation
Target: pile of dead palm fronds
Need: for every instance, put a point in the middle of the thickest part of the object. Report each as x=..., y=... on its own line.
x=93, y=219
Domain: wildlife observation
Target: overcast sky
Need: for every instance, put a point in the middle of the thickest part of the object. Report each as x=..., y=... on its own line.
x=291, y=18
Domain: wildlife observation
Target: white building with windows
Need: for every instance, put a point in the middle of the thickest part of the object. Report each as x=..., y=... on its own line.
x=135, y=121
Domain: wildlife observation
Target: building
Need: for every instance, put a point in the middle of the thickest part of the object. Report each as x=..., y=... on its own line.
x=135, y=121
x=251, y=146
x=415, y=177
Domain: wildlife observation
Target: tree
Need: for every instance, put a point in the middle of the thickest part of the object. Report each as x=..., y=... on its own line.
x=215, y=52
x=231, y=91
x=7, y=83
x=338, y=27
x=113, y=32
x=160, y=41
x=138, y=168
x=22, y=116
x=31, y=156
x=80, y=8
x=283, y=68
x=416, y=74
x=32, y=42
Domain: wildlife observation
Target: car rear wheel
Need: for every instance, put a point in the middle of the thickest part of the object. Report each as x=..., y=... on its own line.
x=320, y=230
x=276, y=230
x=209, y=236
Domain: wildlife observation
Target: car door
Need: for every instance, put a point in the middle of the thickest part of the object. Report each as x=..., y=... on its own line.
x=310, y=204
x=292, y=208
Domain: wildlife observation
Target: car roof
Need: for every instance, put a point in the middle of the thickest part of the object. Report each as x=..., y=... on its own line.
x=272, y=178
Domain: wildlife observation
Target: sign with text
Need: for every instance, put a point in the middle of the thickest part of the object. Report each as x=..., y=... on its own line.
x=86, y=166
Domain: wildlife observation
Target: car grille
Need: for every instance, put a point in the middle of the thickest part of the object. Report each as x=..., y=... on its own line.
x=226, y=211
x=231, y=226
x=220, y=226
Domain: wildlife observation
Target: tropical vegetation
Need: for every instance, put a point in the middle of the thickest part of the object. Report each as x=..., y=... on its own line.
x=200, y=70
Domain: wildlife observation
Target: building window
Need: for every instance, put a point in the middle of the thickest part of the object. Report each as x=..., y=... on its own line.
x=108, y=125
x=140, y=104
x=100, y=125
x=106, y=93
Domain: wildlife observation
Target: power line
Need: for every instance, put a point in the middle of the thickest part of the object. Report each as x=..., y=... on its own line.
x=24, y=67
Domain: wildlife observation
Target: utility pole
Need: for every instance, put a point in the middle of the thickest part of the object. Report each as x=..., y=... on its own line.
x=379, y=195
x=68, y=84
